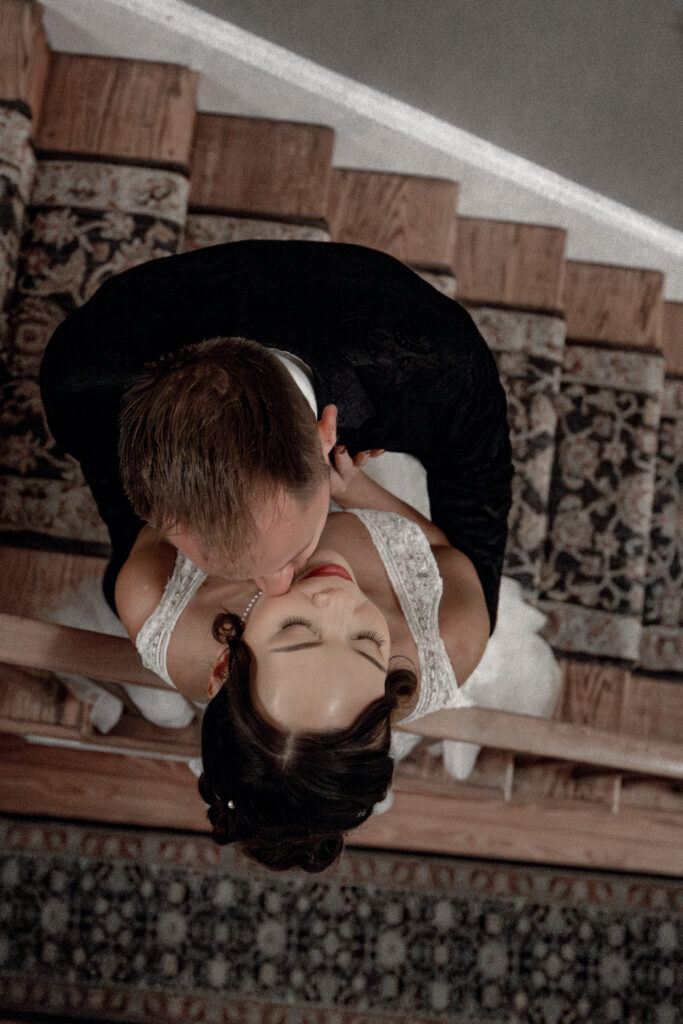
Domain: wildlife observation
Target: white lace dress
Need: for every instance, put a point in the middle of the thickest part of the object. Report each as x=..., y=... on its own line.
x=517, y=673
x=155, y=635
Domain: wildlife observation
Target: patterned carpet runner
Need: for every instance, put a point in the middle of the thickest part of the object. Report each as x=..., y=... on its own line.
x=528, y=348
x=87, y=220
x=151, y=927
x=602, y=491
x=661, y=643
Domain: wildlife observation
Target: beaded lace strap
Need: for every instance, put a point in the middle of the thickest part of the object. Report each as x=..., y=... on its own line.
x=153, y=639
x=414, y=575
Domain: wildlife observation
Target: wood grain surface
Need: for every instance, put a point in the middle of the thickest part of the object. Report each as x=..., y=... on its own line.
x=100, y=786
x=516, y=265
x=617, y=305
x=24, y=54
x=672, y=337
x=261, y=167
x=33, y=579
x=111, y=107
x=409, y=217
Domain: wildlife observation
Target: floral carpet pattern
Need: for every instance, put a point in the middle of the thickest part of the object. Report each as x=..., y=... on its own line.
x=204, y=229
x=528, y=348
x=17, y=167
x=87, y=220
x=152, y=926
x=661, y=645
x=602, y=492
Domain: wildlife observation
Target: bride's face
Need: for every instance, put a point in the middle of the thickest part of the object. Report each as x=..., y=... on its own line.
x=321, y=649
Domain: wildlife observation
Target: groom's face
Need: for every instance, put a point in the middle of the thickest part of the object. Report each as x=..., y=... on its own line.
x=287, y=534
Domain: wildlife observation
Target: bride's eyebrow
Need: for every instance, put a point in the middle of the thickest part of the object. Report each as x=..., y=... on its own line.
x=369, y=657
x=297, y=647
x=318, y=643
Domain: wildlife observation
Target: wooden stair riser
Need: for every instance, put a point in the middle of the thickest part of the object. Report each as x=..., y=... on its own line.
x=516, y=266
x=408, y=217
x=617, y=306
x=253, y=178
x=24, y=61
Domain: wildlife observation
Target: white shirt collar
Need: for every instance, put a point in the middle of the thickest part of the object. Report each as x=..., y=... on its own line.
x=301, y=375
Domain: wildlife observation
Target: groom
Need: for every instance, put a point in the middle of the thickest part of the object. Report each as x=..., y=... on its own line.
x=218, y=447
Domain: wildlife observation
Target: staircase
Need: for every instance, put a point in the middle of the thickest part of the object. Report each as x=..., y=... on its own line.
x=106, y=163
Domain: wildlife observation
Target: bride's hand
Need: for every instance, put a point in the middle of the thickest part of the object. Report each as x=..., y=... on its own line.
x=346, y=474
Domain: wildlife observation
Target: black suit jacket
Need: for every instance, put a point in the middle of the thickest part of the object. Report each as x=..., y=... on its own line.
x=405, y=365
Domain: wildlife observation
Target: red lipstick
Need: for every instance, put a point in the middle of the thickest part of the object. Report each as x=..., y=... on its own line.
x=329, y=569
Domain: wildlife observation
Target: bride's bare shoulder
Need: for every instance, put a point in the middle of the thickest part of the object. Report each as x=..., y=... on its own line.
x=141, y=581
x=463, y=617
x=347, y=532
x=349, y=536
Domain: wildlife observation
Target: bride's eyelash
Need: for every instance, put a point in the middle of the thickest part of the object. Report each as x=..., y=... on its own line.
x=370, y=635
x=297, y=622
x=367, y=635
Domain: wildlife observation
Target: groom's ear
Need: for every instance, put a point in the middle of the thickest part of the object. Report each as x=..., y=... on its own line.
x=327, y=430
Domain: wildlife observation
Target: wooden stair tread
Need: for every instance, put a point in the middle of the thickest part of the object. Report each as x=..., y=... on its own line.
x=113, y=107
x=261, y=167
x=616, y=305
x=31, y=701
x=24, y=54
x=98, y=786
x=612, y=698
x=412, y=218
x=42, y=579
x=520, y=266
x=538, y=832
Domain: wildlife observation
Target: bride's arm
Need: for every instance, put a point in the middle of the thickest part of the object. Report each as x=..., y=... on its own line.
x=350, y=487
x=141, y=581
x=463, y=616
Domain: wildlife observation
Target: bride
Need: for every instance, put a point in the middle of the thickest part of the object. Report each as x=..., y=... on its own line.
x=302, y=688
x=385, y=623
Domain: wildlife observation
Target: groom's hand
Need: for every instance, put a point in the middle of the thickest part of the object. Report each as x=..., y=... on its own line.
x=346, y=474
x=360, y=458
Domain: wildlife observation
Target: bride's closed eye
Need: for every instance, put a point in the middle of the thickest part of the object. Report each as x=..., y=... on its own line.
x=371, y=635
x=298, y=622
x=366, y=635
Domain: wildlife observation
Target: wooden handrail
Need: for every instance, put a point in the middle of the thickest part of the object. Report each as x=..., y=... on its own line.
x=566, y=741
x=44, y=645
x=31, y=643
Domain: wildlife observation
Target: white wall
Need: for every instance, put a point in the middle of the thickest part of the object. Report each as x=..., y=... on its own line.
x=243, y=74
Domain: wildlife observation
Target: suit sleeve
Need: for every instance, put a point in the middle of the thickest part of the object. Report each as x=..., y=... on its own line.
x=81, y=393
x=446, y=405
x=469, y=469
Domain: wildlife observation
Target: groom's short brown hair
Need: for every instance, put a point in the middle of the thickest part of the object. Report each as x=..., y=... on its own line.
x=211, y=432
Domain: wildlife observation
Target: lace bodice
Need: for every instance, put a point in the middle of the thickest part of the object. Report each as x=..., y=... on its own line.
x=153, y=639
x=414, y=575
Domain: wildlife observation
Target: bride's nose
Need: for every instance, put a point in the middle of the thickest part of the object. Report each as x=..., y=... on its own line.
x=331, y=596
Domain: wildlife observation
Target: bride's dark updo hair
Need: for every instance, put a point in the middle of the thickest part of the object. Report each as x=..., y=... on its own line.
x=288, y=797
